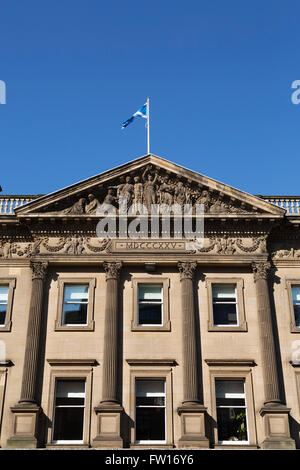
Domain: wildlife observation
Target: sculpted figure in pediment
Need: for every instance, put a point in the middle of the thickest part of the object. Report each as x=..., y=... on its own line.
x=180, y=194
x=149, y=187
x=165, y=192
x=92, y=205
x=138, y=191
x=77, y=208
x=205, y=199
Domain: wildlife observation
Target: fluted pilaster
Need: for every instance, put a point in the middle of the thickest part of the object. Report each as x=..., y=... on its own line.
x=267, y=344
x=110, y=360
x=31, y=360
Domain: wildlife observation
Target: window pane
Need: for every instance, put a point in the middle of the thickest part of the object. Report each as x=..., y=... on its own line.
x=3, y=294
x=75, y=314
x=296, y=293
x=225, y=314
x=232, y=424
x=77, y=293
x=150, y=314
x=68, y=424
x=150, y=292
x=70, y=392
x=297, y=314
x=150, y=388
x=2, y=314
x=150, y=401
x=70, y=389
x=230, y=389
x=224, y=292
x=150, y=424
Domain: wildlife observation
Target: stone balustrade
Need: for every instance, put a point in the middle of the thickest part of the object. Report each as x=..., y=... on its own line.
x=9, y=203
x=291, y=204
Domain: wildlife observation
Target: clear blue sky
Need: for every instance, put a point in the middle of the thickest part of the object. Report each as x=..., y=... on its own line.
x=218, y=74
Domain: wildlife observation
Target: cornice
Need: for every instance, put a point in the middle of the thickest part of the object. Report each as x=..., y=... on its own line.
x=230, y=362
x=72, y=362
x=152, y=362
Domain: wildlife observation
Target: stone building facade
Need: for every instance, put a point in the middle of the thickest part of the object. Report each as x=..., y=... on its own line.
x=149, y=342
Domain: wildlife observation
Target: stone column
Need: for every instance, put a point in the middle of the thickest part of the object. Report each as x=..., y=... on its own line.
x=274, y=412
x=26, y=412
x=192, y=412
x=109, y=411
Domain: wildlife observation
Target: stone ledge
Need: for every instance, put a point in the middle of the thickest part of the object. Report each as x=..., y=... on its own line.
x=152, y=362
x=231, y=362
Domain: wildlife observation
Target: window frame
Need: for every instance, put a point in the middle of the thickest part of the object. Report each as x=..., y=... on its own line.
x=234, y=374
x=241, y=320
x=289, y=283
x=89, y=326
x=166, y=324
x=240, y=406
x=11, y=283
x=150, y=442
x=65, y=406
x=157, y=373
x=70, y=373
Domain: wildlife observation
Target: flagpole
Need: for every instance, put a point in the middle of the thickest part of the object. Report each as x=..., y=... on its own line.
x=148, y=126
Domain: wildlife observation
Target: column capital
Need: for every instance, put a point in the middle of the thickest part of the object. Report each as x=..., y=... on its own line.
x=39, y=269
x=187, y=269
x=112, y=269
x=260, y=269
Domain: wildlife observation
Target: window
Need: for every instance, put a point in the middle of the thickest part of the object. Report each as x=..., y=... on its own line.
x=225, y=304
x=75, y=304
x=3, y=304
x=150, y=304
x=226, y=310
x=296, y=304
x=150, y=412
x=69, y=411
x=76, y=299
x=7, y=288
x=231, y=411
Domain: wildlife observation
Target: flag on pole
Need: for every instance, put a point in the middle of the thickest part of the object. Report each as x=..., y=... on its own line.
x=142, y=112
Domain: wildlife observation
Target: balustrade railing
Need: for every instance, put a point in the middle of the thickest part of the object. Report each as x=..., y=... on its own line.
x=291, y=204
x=8, y=204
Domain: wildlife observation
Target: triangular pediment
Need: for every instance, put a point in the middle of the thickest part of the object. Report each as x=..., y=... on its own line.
x=149, y=179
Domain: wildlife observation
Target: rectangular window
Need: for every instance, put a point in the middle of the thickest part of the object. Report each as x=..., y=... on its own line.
x=75, y=304
x=224, y=304
x=3, y=304
x=150, y=304
x=231, y=411
x=150, y=411
x=296, y=304
x=69, y=411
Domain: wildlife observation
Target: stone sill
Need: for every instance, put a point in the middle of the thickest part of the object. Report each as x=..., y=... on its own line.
x=67, y=446
x=235, y=447
x=152, y=446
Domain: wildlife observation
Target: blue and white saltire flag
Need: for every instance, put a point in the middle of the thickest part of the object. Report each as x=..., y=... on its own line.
x=142, y=112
